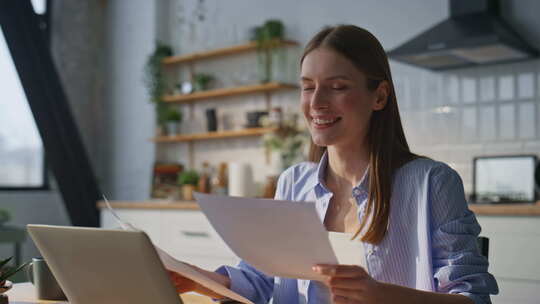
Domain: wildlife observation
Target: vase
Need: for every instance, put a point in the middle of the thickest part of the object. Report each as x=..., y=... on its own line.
x=187, y=192
x=211, y=120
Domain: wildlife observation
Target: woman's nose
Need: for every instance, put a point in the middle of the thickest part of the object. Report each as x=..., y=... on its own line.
x=319, y=99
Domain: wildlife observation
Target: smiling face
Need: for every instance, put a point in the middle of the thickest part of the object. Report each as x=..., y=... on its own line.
x=336, y=101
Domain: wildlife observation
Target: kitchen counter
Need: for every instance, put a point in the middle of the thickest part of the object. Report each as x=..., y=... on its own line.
x=479, y=209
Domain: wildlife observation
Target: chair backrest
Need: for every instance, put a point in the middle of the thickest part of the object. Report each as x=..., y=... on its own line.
x=483, y=244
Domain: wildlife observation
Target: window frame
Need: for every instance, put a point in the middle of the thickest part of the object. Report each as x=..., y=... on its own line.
x=45, y=185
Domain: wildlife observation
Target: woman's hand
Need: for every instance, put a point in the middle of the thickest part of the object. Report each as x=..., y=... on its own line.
x=181, y=283
x=351, y=284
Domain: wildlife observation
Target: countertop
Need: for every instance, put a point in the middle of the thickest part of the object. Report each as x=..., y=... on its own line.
x=479, y=209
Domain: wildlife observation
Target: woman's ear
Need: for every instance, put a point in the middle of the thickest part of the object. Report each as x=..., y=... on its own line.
x=381, y=96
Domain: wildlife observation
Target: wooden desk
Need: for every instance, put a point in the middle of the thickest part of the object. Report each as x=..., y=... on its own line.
x=25, y=293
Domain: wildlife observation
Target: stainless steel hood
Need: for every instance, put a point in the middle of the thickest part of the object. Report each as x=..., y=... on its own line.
x=473, y=35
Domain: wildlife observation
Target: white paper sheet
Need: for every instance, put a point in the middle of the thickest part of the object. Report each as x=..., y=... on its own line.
x=191, y=273
x=348, y=252
x=280, y=238
x=182, y=268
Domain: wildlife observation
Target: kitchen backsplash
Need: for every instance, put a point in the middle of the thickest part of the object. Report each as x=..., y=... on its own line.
x=456, y=115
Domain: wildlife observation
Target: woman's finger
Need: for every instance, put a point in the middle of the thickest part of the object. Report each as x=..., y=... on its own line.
x=345, y=271
x=346, y=283
x=343, y=300
x=347, y=293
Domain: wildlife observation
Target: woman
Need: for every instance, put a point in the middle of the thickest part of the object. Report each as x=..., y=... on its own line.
x=409, y=211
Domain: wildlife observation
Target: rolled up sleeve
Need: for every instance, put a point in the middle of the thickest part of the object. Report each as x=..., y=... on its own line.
x=247, y=281
x=458, y=266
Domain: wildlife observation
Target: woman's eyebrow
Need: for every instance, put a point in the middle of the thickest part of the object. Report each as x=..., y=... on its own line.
x=344, y=77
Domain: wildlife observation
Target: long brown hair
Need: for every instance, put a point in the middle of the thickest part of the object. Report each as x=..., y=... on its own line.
x=388, y=148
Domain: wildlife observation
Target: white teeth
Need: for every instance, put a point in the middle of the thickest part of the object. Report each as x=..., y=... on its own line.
x=323, y=121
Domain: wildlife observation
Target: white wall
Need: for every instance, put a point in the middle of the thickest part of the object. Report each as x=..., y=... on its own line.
x=128, y=151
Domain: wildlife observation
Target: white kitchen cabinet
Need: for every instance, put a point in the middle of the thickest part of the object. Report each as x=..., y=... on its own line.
x=514, y=247
x=185, y=234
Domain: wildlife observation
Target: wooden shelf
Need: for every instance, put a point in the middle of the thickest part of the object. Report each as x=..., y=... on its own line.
x=213, y=135
x=236, y=49
x=249, y=89
x=506, y=209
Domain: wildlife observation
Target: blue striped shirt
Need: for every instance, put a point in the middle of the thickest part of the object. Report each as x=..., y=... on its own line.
x=430, y=244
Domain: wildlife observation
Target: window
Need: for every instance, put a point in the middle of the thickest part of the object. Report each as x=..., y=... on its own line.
x=22, y=161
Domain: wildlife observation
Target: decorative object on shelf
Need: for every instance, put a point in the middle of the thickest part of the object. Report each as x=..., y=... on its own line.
x=202, y=81
x=288, y=140
x=254, y=118
x=219, y=182
x=268, y=37
x=188, y=180
x=5, y=273
x=211, y=120
x=173, y=119
x=204, y=185
x=155, y=79
x=186, y=87
x=270, y=186
x=240, y=179
x=5, y=216
x=275, y=117
x=164, y=181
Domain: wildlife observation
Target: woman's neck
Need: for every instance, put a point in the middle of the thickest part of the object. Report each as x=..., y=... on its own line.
x=346, y=166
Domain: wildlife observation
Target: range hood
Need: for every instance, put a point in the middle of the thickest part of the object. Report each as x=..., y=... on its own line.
x=475, y=34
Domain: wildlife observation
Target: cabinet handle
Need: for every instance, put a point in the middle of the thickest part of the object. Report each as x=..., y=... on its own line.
x=195, y=234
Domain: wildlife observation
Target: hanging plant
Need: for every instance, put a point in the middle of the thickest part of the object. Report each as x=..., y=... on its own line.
x=268, y=37
x=155, y=79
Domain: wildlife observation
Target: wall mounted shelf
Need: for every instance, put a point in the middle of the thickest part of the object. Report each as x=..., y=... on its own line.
x=213, y=135
x=231, y=50
x=218, y=93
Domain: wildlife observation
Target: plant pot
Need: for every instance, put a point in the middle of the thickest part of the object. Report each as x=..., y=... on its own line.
x=172, y=127
x=4, y=288
x=187, y=192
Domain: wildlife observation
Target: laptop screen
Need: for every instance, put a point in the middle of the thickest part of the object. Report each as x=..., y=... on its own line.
x=504, y=178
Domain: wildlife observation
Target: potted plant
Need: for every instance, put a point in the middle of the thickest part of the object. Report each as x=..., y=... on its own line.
x=288, y=140
x=173, y=118
x=202, y=81
x=6, y=273
x=268, y=36
x=155, y=81
x=188, y=180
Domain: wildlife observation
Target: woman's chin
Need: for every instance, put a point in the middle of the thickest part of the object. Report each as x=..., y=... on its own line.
x=322, y=141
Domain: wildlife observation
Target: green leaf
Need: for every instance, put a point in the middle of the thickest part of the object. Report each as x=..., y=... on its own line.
x=4, y=262
x=8, y=274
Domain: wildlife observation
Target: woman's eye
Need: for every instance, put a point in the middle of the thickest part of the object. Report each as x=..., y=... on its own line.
x=339, y=88
x=308, y=88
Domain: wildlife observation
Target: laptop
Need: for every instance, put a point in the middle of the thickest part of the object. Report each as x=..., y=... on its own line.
x=94, y=265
